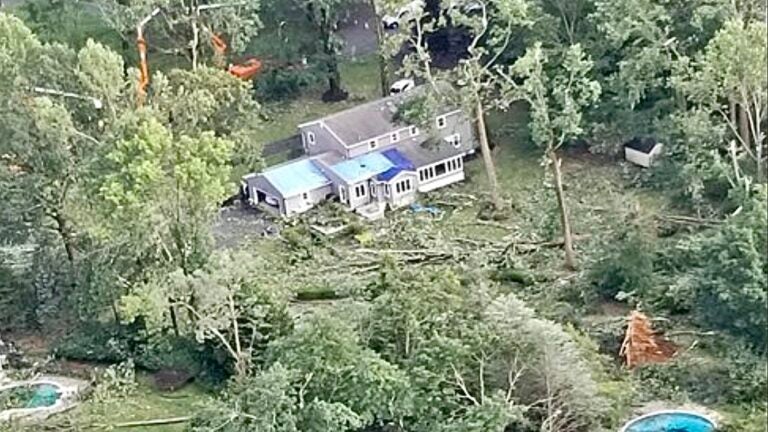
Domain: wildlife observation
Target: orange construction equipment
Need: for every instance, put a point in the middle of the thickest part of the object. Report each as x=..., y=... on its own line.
x=247, y=70
x=641, y=344
x=244, y=71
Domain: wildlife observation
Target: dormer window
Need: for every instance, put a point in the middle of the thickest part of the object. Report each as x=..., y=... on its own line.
x=414, y=131
x=454, y=140
x=394, y=137
x=372, y=144
x=442, y=122
x=311, y=138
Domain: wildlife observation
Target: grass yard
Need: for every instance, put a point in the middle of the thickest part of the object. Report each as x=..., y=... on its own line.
x=143, y=404
x=360, y=78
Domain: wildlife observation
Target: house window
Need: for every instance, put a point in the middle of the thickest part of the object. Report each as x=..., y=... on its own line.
x=440, y=169
x=441, y=122
x=414, y=131
x=311, y=138
x=343, y=194
x=373, y=189
x=386, y=190
x=395, y=137
x=305, y=196
x=372, y=144
x=359, y=191
x=403, y=186
x=454, y=140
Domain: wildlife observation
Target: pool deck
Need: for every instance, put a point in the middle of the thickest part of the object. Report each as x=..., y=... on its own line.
x=69, y=389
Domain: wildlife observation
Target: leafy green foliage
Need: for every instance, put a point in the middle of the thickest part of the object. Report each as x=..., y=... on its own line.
x=730, y=288
x=627, y=266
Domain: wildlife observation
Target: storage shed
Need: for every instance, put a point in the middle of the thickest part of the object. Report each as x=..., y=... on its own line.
x=642, y=151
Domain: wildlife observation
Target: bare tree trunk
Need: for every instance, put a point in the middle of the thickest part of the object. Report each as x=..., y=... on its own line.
x=732, y=110
x=485, y=148
x=744, y=127
x=62, y=227
x=383, y=78
x=174, y=321
x=570, y=258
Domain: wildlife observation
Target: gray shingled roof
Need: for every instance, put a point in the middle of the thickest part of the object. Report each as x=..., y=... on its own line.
x=365, y=121
x=431, y=151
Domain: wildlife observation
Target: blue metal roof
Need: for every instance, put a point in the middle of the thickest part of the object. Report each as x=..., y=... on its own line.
x=362, y=167
x=296, y=177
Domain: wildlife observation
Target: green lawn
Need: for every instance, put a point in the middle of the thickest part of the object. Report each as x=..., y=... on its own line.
x=144, y=404
x=359, y=77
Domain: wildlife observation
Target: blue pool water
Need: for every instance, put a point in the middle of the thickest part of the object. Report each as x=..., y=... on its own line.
x=671, y=422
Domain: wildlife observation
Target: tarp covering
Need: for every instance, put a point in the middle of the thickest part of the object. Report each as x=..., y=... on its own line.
x=400, y=162
x=296, y=177
x=362, y=167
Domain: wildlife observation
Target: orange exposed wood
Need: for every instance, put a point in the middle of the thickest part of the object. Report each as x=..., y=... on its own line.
x=143, y=69
x=641, y=345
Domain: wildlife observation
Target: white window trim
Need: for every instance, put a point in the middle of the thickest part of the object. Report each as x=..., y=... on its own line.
x=441, y=119
x=372, y=144
x=454, y=140
x=362, y=188
x=413, y=131
x=311, y=139
x=394, y=137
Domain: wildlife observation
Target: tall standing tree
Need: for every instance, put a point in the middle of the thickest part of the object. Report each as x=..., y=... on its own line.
x=474, y=79
x=730, y=79
x=557, y=93
x=185, y=28
x=324, y=16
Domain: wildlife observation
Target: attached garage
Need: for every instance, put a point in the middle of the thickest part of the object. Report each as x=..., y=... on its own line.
x=288, y=189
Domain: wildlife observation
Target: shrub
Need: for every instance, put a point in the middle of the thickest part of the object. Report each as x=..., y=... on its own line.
x=283, y=83
x=627, y=266
x=740, y=377
x=94, y=342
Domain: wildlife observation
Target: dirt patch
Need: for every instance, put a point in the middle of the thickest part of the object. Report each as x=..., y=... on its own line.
x=238, y=224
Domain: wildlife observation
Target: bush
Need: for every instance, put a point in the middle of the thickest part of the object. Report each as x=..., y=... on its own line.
x=627, y=267
x=740, y=377
x=283, y=83
x=94, y=342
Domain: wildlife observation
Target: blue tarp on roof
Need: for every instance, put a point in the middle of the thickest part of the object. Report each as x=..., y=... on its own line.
x=362, y=167
x=400, y=162
x=296, y=177
x=398, y=159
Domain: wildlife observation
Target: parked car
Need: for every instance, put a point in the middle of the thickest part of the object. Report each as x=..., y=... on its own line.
x=401, y=86
x=403, y=15
x=467, y=7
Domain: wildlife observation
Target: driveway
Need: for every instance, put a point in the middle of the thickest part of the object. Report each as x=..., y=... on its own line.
x=358, y=32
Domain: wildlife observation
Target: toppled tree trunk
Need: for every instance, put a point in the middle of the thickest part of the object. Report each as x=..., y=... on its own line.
x=570, y=257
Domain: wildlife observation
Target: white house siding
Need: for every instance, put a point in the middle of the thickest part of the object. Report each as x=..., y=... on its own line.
x=354, y=200
x=324, y=139
x=401, y=199
x=383, y=142
x=429, y=179
x=303, y=202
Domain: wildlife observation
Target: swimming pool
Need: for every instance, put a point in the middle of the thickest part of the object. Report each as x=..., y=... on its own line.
x=29, y=396
x=670, y=421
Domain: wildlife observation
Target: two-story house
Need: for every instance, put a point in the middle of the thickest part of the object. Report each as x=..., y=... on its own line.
x=367, y=157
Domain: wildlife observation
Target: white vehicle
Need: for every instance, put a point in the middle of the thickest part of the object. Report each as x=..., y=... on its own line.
x=467, y=7
x=403, y=15
x=401, y=86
